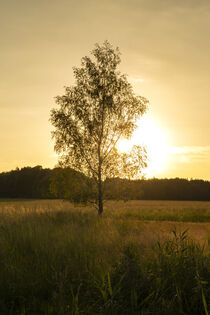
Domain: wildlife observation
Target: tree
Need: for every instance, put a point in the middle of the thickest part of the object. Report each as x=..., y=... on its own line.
x=93, y=115
x=71, y=185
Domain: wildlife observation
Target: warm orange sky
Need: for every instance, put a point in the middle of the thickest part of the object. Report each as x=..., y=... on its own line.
x=165, y=52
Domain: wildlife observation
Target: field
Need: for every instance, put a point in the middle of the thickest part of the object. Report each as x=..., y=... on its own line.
x=141, y=257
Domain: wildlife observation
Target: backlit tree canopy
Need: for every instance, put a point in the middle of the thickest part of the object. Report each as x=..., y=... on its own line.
x=93, y=115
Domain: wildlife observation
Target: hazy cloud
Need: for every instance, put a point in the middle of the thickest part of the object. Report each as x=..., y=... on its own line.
x=191, y=153
x=135, y=80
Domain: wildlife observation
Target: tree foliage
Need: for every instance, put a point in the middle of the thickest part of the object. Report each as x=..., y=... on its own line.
x=93, y=115
x=69, y=184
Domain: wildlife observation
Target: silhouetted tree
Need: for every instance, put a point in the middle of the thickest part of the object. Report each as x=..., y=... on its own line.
x=93, y=115
x=68, y=184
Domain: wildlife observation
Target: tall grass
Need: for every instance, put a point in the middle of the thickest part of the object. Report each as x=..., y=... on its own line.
x=72, y=262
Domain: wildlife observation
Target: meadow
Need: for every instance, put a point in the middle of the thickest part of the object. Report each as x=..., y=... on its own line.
x=140, y=257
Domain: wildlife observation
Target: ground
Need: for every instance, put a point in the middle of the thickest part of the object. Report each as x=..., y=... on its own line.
x=57, y=258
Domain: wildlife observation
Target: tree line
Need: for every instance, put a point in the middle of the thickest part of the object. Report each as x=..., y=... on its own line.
x=66, y=183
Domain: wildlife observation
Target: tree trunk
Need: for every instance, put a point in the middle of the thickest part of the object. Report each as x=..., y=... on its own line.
x=100, y=198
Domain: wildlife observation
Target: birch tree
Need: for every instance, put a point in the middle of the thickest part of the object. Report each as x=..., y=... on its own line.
x=94, y=114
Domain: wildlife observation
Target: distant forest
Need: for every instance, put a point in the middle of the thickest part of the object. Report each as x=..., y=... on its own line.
x=65, y=183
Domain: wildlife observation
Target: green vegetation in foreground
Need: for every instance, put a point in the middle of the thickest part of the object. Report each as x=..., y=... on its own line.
x=171, y=215
x=179, y=211
x=72, y=262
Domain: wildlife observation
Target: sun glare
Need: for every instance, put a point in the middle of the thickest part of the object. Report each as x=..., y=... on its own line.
x=154, y=139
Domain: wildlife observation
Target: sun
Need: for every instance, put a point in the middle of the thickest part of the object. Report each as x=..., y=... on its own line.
x=154, y=138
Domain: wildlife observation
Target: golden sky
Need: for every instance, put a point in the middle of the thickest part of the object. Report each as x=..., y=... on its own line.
x=165, y=52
